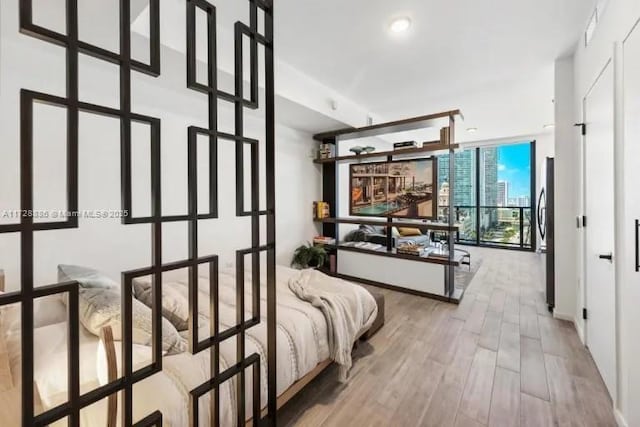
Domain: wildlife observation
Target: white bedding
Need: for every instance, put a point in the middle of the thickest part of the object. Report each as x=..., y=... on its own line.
x=302, y=343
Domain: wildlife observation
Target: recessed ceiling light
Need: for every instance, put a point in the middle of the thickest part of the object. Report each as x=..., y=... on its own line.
x=549, y=126
x=472, y=130
x=400, y=25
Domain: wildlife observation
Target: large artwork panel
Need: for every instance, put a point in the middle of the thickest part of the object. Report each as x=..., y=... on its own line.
x=397, y=189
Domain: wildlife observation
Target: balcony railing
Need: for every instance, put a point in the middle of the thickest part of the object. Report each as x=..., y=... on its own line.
x=508, y=227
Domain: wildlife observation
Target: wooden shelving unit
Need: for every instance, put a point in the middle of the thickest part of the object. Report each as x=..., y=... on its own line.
x=382, y=223
x=414, y=123
x=429, y=148
x=445, y=123
x=394, y=254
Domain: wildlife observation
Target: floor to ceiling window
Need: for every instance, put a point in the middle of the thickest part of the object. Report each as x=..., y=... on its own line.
x=493, y=195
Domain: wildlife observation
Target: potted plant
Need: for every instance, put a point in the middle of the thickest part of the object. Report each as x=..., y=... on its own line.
x=309, y=256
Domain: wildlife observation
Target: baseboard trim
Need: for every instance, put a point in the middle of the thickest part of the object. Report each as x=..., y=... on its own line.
x=619, y=418
x=564, y=316
x=578, y=325
x=573, y=319
x=396, y=288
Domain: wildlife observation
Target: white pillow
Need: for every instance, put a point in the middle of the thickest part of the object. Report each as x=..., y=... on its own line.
x=51, y=356
x=175, y=298
x=46, y=311
x=50, y=361
x=175, y=301
x=102, y=307
x=86, y=277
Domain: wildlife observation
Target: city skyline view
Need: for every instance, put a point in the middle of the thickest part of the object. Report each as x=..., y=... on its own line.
x=509, y=163
x=514, y=167
x=492, y=191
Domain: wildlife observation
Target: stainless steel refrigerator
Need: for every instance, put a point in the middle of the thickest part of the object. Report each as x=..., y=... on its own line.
x=546, y=228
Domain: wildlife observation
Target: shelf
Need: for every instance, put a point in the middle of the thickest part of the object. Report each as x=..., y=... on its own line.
x=413, y=123
x=393, y=254
x=430, y=147
x=382, y=223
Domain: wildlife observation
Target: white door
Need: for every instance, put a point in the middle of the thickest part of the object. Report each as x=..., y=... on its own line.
x=599, y=237
x=631, y=273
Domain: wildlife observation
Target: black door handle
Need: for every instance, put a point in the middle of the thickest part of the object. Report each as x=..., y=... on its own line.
x=606, y=256
x=637, y=246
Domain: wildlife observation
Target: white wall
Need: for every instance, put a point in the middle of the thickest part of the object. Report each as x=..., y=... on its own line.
x=566, y=197
x=106, y=244
x=618, y=19
x=291, y=83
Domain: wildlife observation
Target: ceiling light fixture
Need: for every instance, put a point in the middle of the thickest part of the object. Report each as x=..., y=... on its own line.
x=400, y=25
x=472, y=130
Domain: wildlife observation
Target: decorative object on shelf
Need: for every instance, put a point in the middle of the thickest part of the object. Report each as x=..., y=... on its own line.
x=426, y=144
x=368, y=245
x=445, y=135
x=326, y=151
x=405, y=145
x=357, y=150
x=321, y=210
x=309, y=256
x=410, y=249
x=369, y=149
x=440, y=251
x=323, y=240
x=428, y=147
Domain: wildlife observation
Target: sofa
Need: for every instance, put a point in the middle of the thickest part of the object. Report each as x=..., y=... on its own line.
x=377, y=234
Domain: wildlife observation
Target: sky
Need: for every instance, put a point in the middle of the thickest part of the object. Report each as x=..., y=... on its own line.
x=514, y=166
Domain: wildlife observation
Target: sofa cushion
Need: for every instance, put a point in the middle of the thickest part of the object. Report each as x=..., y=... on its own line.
x=409, y=231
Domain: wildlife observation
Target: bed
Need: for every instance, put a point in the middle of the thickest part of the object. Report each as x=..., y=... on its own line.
x=304, y=349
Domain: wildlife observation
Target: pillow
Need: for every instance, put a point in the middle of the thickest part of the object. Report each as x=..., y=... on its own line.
x=175, y=299
x=395, y=232
x=367, y=228
x=101, y=307
x=86, y=277
x=175, y=302
x=6, y=379
x=355, y=236
x=408, y=231
x=373, y=229
x=46, y=311
x=51, y=361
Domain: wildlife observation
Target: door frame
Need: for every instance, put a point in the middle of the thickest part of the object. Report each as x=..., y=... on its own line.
x=610, y=62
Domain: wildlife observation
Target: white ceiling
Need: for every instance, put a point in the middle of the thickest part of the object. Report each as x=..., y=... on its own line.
x=486, y=57
x=453, y=47
x=492, y=59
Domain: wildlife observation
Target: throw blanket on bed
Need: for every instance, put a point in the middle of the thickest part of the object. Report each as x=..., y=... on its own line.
x=349, y=311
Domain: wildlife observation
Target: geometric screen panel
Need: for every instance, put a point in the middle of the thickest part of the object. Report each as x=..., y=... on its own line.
x=243, y=97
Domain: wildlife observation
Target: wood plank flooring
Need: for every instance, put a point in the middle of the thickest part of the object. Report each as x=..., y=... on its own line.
x=497, y=359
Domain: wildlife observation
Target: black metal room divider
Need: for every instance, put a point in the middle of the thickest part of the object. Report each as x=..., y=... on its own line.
x=27, y=227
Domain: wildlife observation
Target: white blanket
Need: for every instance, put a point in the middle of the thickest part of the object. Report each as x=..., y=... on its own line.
x=349, y=311
x=302, y=343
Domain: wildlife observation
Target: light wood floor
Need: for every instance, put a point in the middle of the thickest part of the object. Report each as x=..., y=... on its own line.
x=497, y=359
